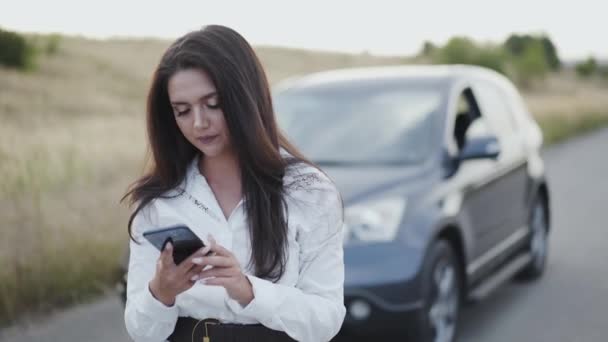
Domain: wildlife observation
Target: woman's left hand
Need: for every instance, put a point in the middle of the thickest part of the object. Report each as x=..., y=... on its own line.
x=226, y=272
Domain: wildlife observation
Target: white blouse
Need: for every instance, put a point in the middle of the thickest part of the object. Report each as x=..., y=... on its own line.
x=307, y=302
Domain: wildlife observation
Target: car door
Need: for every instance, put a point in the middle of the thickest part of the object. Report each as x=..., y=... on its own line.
x=511, y=168
x=477, y=180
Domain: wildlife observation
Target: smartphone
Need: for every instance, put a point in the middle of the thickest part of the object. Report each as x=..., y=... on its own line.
x=184, y=241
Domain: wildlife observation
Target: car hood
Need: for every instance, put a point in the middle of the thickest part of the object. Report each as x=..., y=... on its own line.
x=360, y=182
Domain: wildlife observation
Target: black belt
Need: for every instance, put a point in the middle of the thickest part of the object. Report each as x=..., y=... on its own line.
x=188, y=329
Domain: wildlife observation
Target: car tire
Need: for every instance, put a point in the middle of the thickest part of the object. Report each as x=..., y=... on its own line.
x=538, y=245
x=442, y=294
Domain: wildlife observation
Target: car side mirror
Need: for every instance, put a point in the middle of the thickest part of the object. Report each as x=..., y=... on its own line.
x=480, y=148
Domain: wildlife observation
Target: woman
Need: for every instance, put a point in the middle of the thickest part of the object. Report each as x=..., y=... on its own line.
x=271, y=219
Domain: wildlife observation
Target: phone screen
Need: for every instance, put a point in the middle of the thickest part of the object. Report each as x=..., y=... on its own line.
x=184, y=241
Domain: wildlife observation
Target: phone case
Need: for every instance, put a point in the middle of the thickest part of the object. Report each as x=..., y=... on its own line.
x=184, y=241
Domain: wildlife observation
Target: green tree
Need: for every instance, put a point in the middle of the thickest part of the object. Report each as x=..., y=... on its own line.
x=491, y=57
x=462, y=50
x=551, y=53
x=531, y=64
x=517, y=45
x=15, y=51
x=428, y=49
x=586, y=68
x=458, y=50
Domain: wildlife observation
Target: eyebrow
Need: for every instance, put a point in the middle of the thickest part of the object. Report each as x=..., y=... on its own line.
x=204, y=97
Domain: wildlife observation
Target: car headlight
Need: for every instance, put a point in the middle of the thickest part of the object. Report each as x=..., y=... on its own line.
x=373, y=221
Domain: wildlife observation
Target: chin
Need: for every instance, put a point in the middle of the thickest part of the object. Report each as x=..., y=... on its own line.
x=212, y=151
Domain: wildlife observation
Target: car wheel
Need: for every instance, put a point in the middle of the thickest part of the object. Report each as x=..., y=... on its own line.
x=539, y=242
x=441, y=294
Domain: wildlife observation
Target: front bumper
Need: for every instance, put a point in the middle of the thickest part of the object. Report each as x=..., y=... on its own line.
x=386, y=314
x=383, y=323
x=382, y=290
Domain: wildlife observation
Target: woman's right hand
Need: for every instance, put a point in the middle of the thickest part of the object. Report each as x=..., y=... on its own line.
x=171, y=279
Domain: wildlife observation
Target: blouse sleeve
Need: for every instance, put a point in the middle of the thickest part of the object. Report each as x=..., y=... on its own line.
x=146, y=318
x=313, y=310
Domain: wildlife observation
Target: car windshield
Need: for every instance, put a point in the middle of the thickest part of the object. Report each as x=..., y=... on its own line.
x=381, y=123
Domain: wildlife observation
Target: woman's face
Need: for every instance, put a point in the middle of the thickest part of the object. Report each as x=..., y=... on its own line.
x=197, y=112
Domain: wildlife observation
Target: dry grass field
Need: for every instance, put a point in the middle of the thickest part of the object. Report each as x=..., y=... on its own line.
x=72, y=139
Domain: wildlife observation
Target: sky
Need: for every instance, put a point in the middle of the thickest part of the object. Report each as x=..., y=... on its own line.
x=381, y=27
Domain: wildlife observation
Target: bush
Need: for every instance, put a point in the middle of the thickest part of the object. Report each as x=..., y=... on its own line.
x=52, y=44
x=491, y=57
x=551, y=53
x=458, y=50
x=461, y=50
x=586, y=68
x=15, y=51
x=517, y=45
x=603, y=71
x=428, y=49
x=524, y=59
x=557, y=127
x=530, y=64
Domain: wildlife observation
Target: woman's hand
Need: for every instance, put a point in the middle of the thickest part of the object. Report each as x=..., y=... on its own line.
x=171, y=279
x=225, y=271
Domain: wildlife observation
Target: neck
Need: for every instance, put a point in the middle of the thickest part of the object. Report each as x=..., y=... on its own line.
x=220, y=168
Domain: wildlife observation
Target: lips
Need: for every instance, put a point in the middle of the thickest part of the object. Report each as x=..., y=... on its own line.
x=207, y=140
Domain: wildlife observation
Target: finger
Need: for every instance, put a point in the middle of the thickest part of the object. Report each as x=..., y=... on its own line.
x=194, y=259
x=195, y=271
x=218, y=272
x=193, y=277
x=186, y=277
x=215, y=261
x=217, y=248
x=203, y=251
x=206, y=251
x=167, y=255
x=221, y=281
x=211, y=239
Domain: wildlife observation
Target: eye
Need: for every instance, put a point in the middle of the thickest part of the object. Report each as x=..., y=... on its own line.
x=178, y=113
x=213, y=102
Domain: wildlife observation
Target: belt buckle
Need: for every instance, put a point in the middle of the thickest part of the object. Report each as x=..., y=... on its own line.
x=206, y=323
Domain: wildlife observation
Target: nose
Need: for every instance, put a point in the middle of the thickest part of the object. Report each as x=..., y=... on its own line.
x=200, y=118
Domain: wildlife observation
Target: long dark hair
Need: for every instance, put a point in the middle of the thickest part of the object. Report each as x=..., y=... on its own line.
x=245, y=99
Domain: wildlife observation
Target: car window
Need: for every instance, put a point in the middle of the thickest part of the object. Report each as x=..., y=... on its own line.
x=495, y=107
x=361, y=123
x=469, y=122
x=479, y=128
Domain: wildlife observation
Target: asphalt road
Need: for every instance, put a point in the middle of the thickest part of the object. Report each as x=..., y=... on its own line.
x=570, y=302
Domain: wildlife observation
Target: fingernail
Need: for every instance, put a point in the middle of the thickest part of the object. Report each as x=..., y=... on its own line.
x=169, y=245
x=194, y=277
x=197, y=261
x=203, y=281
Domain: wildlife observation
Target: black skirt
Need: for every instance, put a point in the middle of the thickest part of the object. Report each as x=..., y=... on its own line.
x=188, y=329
